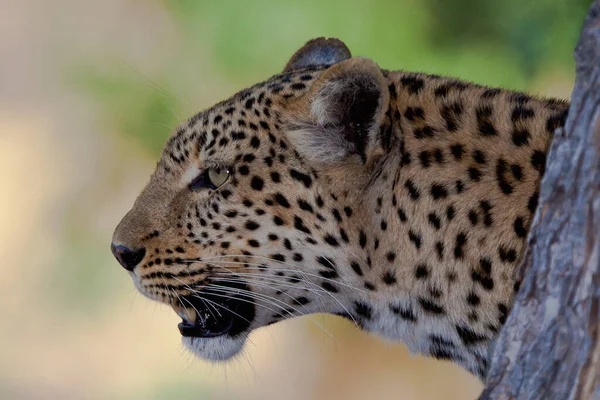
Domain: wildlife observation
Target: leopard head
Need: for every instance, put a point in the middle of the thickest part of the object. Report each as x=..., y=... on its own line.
x=255, y=212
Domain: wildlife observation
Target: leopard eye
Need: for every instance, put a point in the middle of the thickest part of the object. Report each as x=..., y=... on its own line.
x=210, y=178
x=218, y=176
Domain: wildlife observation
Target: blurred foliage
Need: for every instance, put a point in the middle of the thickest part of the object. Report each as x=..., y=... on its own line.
x=65, y=283
x=538, y=32
x=500, y=43
x=133, y=105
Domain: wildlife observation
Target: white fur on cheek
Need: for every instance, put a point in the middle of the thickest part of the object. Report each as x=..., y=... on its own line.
x=192, y=172
x=219, y=348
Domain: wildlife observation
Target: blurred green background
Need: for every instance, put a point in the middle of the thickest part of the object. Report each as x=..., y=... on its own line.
x=89, y=93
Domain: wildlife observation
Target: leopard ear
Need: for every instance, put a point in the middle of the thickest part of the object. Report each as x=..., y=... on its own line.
x=344, y=114
x=318, y=52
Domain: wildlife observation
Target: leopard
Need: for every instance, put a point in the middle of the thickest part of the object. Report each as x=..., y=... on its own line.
x=398, y=200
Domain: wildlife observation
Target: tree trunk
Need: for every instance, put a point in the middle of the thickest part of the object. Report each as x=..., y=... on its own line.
x=550, y=345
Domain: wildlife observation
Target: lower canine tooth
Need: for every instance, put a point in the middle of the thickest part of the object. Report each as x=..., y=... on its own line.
x=186, y=314
x=189, y=315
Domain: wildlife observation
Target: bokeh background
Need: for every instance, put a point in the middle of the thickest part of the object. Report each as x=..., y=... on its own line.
x=89, y=92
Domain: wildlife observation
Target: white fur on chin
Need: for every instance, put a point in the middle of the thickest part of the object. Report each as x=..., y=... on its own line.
x=219, y=348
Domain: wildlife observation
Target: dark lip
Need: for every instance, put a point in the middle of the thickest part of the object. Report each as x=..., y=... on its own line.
x=217, y=315
x=195, y=330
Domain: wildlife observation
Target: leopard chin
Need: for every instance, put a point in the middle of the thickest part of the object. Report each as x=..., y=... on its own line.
x=218, y=348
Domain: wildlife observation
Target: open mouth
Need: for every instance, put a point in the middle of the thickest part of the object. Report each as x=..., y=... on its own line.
x=226, y=310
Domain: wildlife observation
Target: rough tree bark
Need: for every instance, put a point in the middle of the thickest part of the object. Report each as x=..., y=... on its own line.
x=550, y=345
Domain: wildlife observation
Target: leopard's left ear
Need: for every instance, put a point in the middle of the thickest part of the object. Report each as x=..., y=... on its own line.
x=319, y=52
x=344, y=115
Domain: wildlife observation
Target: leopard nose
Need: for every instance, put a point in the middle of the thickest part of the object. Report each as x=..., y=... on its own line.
x=127, y=257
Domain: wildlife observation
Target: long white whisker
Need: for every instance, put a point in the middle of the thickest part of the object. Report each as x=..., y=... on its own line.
x=259, y=296
x=336, y=269
x=282, y=302
x=292, y=270
x=339, y=302
x=223, y=307
x=254, y=277
x=243, y=300
x=202, y=299
x=327, y=293
x=266, y=297
x=263, y=267
x=266, y=282
x=252, y=295
x=274, y=279
x=196, y=292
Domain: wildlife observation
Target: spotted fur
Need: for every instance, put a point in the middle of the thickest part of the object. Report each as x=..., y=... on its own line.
x=397, y=199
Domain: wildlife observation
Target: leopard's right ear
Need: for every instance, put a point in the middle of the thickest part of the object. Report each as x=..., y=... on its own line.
x=317, y=52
